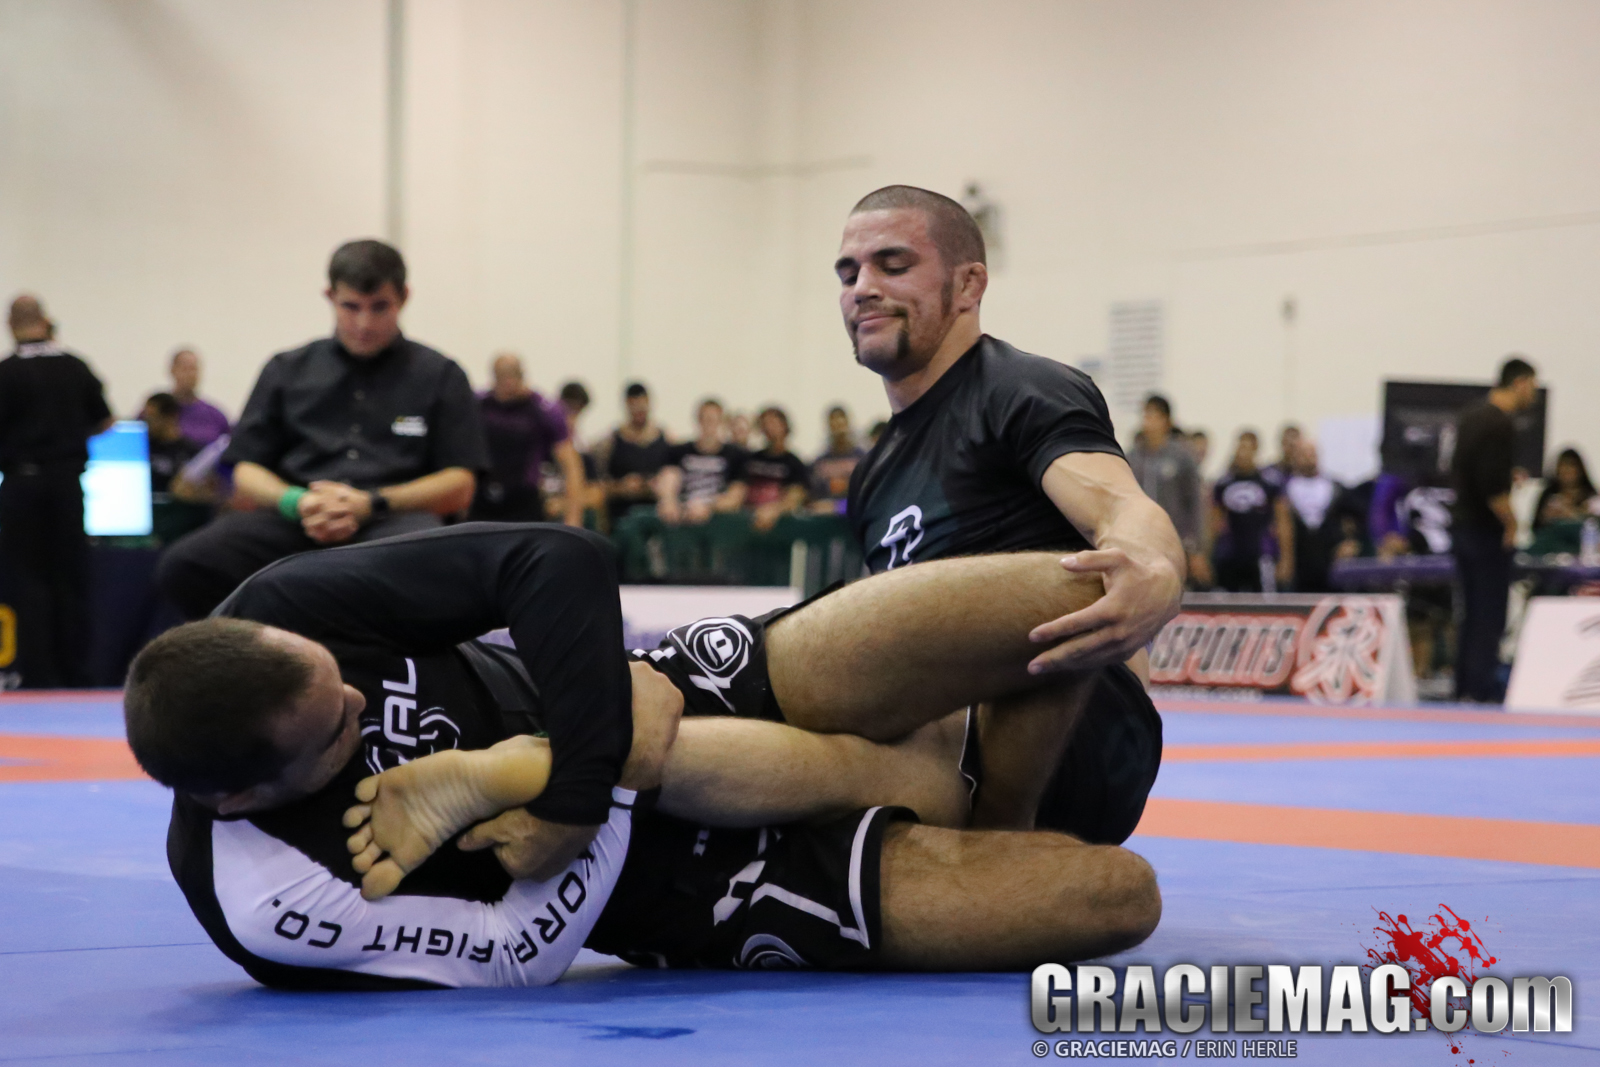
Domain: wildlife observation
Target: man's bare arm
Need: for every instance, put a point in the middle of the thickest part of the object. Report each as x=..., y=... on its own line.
x=1137, y=552
x=259, y=484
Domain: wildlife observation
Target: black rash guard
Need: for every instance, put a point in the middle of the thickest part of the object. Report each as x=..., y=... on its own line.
x=960, y=470
x=275, y=890
x=553, y=587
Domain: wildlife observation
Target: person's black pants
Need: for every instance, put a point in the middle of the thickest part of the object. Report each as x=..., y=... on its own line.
x=497, y=503
x=1483, y=566
x=1238, y=575
x=199, y=571
x=46, y=557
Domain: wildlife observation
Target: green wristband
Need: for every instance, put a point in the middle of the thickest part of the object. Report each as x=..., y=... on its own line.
x=289, y=503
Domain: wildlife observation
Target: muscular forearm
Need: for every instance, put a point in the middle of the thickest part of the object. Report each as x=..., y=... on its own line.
x=1141, y=528
x=259, y=484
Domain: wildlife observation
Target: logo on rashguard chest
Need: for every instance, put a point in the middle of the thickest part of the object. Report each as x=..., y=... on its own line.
x=904, y=535
x=401, y=733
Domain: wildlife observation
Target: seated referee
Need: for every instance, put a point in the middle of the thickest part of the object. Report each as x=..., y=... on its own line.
x=353, y=437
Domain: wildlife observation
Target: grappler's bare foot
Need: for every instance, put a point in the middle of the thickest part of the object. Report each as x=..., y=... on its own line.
x=407, y=812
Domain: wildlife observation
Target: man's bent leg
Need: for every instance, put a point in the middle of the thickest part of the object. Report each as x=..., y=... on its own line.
x=748, y=773
x=1023, y=738
x=887, y=654
x=970, y=900
x=396, y=523
x=719, y=772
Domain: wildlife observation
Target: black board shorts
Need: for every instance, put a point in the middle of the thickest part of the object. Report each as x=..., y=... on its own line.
x=720, y=664
x=777, y=898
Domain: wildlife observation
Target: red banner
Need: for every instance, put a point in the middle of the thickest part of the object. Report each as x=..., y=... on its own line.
x=1330, y=649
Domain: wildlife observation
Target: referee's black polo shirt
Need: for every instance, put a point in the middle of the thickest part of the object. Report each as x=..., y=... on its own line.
x=50, y=402
x=320, y=413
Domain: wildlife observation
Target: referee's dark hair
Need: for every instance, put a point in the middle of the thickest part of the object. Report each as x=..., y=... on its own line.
x=953, y=230
x=1515, y=369
x=366, y=265
x=635, y=389
x=200, y=703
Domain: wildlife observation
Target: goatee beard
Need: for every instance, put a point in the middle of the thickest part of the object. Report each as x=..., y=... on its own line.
x=902, y=348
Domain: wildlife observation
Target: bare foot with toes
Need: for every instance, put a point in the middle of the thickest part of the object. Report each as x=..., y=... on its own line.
x=406, y=813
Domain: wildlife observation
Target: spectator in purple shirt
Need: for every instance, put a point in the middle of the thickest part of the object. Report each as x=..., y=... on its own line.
x=523, y=429
x=200, y=421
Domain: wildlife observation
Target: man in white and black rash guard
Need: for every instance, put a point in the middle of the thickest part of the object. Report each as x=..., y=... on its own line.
x=330, y=666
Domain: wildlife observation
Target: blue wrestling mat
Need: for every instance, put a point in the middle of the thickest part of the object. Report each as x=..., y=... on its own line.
x=1253, y=829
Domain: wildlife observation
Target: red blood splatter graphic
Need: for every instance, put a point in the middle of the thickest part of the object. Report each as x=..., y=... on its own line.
x=1442, y=947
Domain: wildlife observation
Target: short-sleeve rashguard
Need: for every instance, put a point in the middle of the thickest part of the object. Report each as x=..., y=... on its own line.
x=960, y=470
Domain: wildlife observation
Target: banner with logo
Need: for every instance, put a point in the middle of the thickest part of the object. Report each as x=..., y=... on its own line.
x=1335, y=649
x=1558, y=657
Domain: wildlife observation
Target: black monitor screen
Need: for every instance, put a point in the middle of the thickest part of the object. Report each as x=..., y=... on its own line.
x=1419, y=429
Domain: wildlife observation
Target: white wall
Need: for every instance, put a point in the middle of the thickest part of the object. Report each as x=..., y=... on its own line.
x=177, y=171
x=1415, y=175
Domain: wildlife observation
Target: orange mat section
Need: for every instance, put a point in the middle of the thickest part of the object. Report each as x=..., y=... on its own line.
x=65, y=759
x=1513, y=841
x=1338, y=750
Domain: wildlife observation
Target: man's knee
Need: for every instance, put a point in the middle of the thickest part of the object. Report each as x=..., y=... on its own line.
x=1128, y=905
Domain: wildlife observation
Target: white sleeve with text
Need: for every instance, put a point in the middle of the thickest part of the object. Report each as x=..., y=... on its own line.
x=283, y=906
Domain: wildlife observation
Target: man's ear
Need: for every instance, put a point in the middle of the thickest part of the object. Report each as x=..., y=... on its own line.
x=403, y=293
x=355, y=702
x=974, y=283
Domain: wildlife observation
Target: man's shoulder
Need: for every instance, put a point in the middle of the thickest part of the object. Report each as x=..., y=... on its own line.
x=1006, y=363
x=421, y=357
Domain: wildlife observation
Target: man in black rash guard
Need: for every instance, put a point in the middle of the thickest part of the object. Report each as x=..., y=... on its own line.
x=991, y=449
x=359, y=659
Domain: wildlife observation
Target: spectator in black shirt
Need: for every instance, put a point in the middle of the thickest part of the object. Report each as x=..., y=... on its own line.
x=775, y=476
x=1253, y=525
x=1485, y=530
x=633, y=456
x=50, y=405
x=701, y=476
x=994, y=450
x=353, y=437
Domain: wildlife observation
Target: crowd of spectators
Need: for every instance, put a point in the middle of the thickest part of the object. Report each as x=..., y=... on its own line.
x=1279, y=526
x=368, y=433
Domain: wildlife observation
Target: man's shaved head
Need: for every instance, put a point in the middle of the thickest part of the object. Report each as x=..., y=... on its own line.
x=27, y=319
x=949, y=225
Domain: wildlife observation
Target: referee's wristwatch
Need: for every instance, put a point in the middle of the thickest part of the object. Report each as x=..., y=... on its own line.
x=377, y=504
